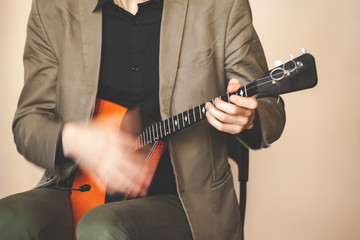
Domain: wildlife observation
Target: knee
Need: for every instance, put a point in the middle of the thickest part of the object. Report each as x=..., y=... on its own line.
x=98, y=223
x=15, y=220
x=7, y=216
x=24, y=215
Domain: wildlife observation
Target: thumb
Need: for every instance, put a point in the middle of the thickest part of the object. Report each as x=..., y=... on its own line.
x=233, y=85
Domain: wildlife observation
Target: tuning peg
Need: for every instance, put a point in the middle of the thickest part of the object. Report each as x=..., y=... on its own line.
x=291, y=56
x=278, y=63
x=303, y=50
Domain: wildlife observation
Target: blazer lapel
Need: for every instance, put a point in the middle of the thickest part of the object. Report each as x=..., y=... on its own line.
x=171, y=34
x=91, y=33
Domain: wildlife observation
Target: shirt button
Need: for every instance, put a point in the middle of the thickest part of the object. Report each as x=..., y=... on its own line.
x=135, y=22
x=135, y=68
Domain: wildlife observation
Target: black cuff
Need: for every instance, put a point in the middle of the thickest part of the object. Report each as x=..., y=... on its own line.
x=59, y=156
x=253, y=137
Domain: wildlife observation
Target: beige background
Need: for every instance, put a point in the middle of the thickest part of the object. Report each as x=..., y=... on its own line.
x=306, y=186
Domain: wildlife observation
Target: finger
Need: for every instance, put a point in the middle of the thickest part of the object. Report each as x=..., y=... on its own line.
x=245, y=102
x=229, y=127
x=228, y=108
x=129, y=167
x=224, y=127
x=250, y=124
x=118, y=182
x=238, y=119
x=233, y=85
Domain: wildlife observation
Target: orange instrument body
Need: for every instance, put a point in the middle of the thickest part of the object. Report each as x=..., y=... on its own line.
x=110, y=113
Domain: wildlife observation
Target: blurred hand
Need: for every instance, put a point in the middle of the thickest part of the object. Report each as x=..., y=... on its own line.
x=105, y=150
x=232, y=117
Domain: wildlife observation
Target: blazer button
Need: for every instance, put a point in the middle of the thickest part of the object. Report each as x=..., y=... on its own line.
x=135, y=68
x=49, y=178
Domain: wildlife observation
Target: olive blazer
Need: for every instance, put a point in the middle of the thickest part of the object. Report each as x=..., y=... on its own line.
x=203, y=44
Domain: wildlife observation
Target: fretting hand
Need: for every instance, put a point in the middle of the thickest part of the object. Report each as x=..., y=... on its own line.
x=232, y=117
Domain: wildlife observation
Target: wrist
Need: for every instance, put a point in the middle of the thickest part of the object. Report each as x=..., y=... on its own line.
x=69, y=134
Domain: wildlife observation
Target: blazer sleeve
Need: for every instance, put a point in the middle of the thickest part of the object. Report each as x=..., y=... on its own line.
x=245, y=61
x=36, y=127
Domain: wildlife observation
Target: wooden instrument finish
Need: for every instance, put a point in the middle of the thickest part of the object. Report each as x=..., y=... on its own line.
x=110, y=114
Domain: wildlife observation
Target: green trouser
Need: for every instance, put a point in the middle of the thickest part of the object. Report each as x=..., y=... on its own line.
x=46, y=214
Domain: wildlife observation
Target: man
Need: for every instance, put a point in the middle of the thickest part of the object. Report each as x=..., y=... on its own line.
x=189, y=51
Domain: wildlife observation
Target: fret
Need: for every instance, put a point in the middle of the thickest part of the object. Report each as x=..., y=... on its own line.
x=164, y=128
x=153, y=138
x=150, y=137
x=161, y=134
x=188, y=116
x=157, y=131
x=147, y=136
x=183, y=120
x=177, y=122
x=245, y=91
x=153, y=132
x=200, y=111
x=228, y=97
x=172, y=125
x=168, y=126
x=165, y=131
x=143, y=138
x=194, y=114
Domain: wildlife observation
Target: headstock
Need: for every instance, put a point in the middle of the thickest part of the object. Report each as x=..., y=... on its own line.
x=293, y=75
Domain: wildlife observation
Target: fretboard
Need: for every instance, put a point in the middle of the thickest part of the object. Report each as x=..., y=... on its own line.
x=163, y=129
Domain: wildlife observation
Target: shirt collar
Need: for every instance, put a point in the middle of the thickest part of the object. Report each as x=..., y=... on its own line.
x=101, y=3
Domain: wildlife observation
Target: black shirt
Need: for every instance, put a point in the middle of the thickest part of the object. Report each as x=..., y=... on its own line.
x=129, y=69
